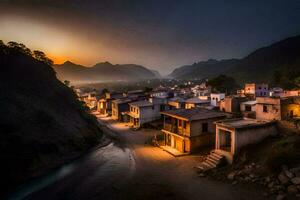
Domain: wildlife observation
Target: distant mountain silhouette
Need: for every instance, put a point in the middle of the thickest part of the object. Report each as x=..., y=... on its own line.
x=42, y=124
x=103, y=72
x=258, y=66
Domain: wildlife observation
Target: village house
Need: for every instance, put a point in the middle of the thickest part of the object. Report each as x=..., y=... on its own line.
x=279, y=92
x=187, y=130
x=201, y=90
x=276, y=108
x=216, y=98
x=90, y=99
x=119, y=107
x=105, y=103
x=194, y=102
x=161, y=92
x=248, y=109
x=231, y=104
x=233, y=134
x=176, y=103
x=256, y=90
x=141, y=112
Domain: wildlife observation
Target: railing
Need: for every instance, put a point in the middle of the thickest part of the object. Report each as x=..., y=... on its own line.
x=174, y=129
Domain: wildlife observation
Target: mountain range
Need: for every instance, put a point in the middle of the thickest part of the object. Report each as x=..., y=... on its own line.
x=103, y=72
x=258, y=66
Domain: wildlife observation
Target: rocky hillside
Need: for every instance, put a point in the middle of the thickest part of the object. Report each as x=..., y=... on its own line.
x=258, y=66
x=103, y=72
x=42, y=124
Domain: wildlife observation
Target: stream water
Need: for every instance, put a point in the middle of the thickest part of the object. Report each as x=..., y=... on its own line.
x=98, y=170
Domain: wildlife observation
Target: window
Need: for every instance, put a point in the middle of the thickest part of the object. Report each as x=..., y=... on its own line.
x=179, y=123
x=184, y=124
x=204, y=127
x=265, y=109
x=137, y=111
x=247, y=108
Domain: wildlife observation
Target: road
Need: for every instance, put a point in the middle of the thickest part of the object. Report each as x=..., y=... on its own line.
x=129, y=168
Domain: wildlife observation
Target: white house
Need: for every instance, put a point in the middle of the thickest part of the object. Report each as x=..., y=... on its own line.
x=141, y=112
x=215, y=98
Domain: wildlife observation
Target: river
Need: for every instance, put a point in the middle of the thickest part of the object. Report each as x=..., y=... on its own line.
x=94, y=174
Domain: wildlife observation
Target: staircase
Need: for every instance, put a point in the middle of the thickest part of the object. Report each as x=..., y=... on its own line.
x=213, y=160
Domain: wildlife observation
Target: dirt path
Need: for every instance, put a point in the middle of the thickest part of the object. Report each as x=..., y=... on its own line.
x=161, y=176
x=129, y=168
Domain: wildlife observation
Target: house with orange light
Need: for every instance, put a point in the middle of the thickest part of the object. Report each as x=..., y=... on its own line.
x=187, y=130
x=278, y=108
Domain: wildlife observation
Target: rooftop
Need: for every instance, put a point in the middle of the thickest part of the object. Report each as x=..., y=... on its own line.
x=197, y=100
x=193, y=114
x=123, y=100
x=176, y=99
x=242, y=123
x=141, y=103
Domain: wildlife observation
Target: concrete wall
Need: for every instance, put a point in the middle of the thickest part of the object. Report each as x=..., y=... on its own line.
x=148, y=114
x=216, y=98
x=253, y=135
x=196, y=126
x=273, y=108
x=205, y=140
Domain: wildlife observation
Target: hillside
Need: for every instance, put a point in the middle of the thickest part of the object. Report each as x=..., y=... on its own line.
x=42, y=124
x=103, y=72
x=204, y=69
x=258, y=66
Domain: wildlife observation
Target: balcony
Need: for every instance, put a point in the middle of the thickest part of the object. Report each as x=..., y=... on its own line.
x=174, y=129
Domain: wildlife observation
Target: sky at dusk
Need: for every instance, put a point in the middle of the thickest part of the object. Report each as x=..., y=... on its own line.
x=160, y=35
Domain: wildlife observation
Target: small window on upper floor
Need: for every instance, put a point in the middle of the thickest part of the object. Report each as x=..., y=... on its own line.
x=204, y=127
x=179, y=123
x=184, y=124
x=265, y=108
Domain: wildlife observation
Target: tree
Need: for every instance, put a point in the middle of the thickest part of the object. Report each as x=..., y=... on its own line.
x=297, y=81
x=224, y=84
x=41, y=56
x=148, y=89
x=19, y=47
x=105, y=90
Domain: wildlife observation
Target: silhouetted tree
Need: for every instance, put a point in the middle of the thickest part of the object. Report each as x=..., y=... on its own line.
x=19, y=47
x=105, y=90
x=223, y=83
x=148, y=89
x=41, y=56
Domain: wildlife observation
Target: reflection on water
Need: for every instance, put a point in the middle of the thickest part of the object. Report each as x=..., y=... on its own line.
x=38, y=184
x=103, y=163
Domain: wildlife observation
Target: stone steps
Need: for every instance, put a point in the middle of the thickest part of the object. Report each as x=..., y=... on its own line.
x=213, y=160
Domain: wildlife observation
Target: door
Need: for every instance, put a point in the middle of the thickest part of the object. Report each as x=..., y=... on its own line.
x=291, y=114
x=168, y=140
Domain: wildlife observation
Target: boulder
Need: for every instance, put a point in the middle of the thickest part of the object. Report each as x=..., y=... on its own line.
x=231, y=175
x=288, y=174
x=280, y=197
x=292, y=189
x=296, y=180
x=283, y=179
